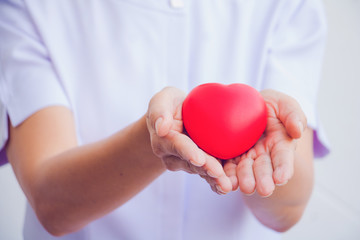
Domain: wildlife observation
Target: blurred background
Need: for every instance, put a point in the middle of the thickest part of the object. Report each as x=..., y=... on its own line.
x=334, y=209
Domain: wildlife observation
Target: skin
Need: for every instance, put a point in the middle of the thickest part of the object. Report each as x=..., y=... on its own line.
x=70, y=185
x=273, y=190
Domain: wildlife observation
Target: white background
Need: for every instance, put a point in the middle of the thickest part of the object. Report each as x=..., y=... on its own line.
x=334, y=209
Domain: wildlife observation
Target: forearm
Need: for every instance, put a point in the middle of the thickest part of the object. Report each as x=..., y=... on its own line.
x=285, y=206
x=72, y=188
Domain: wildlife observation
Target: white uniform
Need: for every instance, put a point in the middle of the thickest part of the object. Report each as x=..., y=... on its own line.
x=105, y=59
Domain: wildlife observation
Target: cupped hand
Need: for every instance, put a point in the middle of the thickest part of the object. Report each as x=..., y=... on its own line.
x=270, y=162
x=174, y=147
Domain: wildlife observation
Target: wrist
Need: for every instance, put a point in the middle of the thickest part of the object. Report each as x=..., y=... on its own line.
x=144, y=149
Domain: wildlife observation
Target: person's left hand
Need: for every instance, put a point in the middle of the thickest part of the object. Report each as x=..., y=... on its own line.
x=271, y=161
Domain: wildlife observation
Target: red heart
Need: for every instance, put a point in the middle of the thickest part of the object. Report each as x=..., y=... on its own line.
x=224, y=120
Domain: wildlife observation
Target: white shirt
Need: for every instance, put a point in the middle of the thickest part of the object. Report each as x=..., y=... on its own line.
x=105, y=59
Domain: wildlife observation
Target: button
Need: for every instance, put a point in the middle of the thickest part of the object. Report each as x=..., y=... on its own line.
x=177, y=3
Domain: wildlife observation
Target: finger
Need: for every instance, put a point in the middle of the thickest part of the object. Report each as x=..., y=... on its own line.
x=283, y=164
x=220, y=185
x=163, y=124
x=287, y=110
x=246, y=176
x=211, y=181
x=263, y=171
x=216, y=172
x=183, y=147
x=223, y=184
x=214, y=167
x=292, y=116
x=230, y=171
x=162, y=109
x=174, y=163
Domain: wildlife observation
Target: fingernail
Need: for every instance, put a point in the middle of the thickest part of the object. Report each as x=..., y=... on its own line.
x=196, y=164
x=211, y=174
x=250, y=194
x=267, y=195
x=157, y=124
x=281, y=184
x=220, y=189
x=200, y=159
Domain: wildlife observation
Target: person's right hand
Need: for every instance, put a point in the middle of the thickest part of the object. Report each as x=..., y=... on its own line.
x=174, y=147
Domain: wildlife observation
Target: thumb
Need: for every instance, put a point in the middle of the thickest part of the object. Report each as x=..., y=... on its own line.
x=163, y=124
x=162, y=109
x=288, y=111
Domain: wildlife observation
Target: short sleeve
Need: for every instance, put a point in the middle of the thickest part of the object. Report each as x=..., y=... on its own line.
x=28, y=80
x=294, y=60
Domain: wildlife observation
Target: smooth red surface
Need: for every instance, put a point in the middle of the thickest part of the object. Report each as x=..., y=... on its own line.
x=224, y=120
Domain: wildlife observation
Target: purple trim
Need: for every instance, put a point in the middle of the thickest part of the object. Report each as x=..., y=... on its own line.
x=3, y=157
x=320, y=148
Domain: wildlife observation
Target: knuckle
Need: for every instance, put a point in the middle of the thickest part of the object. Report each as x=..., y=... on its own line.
x=261, y=163
x=229, y=166
x=243, y=163
x=251, y=153
x=248, y=182
x=170, y=164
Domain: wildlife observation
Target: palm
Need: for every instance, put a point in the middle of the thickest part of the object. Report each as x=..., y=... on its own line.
x=271, y=161
x=174, y=147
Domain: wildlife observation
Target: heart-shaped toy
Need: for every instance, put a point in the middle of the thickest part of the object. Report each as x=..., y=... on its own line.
x=224, y=120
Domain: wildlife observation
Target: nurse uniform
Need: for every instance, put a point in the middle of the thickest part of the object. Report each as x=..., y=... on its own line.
x=105, y=59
